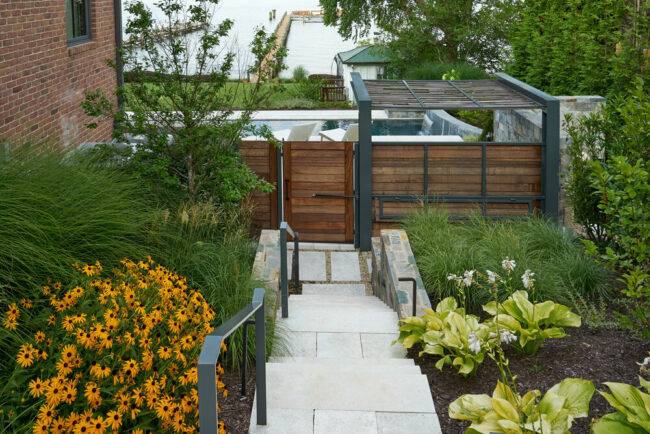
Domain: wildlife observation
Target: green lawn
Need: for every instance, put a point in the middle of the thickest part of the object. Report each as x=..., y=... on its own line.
x=281, y=95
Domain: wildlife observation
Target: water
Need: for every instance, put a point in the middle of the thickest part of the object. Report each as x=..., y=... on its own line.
x=312, y=45
x=383, y=127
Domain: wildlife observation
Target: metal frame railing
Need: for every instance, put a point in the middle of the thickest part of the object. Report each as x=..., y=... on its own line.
x=207, y=366
x=415, y=291
x=285, y=231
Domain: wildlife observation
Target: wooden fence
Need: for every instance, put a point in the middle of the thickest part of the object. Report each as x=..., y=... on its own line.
x=496, y=179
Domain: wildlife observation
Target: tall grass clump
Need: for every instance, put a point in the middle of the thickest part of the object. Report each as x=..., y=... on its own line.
x=563, y=270
x=56, y=211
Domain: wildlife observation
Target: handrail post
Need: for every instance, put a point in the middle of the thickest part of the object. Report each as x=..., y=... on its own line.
x=284, y=284
x=208, y=385
x=260, y=364
x=295, y=264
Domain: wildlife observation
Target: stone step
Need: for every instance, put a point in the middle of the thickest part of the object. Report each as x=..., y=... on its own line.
x=362, y=366
x=334, y=320
x=301, y=307
x=326, y=361
x=334, y=289
x=326, y=299
x=350, y=389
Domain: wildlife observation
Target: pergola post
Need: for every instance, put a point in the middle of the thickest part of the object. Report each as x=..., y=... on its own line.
x=550, y=142
x=364, y=156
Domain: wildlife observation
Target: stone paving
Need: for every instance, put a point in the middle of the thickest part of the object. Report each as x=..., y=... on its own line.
x=338, y=371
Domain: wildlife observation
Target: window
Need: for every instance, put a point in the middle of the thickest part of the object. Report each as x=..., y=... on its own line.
x=77, y=16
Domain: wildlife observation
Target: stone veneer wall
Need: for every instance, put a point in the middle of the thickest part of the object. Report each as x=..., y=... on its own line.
x=266, y=267
x=392, y=258
x=526, y=125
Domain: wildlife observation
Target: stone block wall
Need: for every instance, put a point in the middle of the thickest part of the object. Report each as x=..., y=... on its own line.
x=392, y=259
x=266, y=267
x=43, y=79
x=526, y=125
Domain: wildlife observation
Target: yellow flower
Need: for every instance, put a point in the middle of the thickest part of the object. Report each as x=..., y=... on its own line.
x=98, y=425
x=97, y=371
x=13, y=311
x=51, y=320
x=46, y=413
x=130, y=368
x=41, y=427
x=36, y=387
x=57, y=285
x=10, y=323
x=58, y=426
x=39, y=337
x=93, y=394
x=164, y=408
x=26, y=355
x=164, y=353
x=69, y=353
x=63, y=368
x=27, y=304
x=114, y=420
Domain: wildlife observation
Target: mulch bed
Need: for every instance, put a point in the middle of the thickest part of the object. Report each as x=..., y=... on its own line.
x=598, y=355
x=235, y=409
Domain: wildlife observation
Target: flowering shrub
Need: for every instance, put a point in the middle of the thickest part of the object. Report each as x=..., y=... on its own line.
x=118, y=352
x=461, y=340
x=507, y=411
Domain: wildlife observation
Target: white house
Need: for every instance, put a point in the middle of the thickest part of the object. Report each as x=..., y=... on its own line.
x=368, y=60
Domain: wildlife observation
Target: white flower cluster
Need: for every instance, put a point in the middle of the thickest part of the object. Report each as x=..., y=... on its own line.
x=474, y=343
x=508, y=265
x=527, y=279
x=492, y=276
x=466, y=279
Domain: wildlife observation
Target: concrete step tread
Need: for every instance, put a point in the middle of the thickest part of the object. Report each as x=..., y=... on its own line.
x=329, y=389
x=328, y=361
x=344, y=368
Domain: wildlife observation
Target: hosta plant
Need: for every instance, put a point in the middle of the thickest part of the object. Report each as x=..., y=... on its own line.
x=508, y=412
x=532, y=322
x=633, y=409
x=116, y=351
x=460, y=340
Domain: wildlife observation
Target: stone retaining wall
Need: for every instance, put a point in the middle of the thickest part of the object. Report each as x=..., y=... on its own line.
x=392, y=258
x=266, y=267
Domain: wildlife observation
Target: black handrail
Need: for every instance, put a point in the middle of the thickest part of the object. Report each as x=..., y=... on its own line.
x=285, y=231
x=207, y=366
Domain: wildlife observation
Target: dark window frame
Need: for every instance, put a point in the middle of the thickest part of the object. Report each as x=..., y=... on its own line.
x=83, y=38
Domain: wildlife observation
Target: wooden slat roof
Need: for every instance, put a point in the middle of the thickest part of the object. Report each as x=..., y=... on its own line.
x=446, y=94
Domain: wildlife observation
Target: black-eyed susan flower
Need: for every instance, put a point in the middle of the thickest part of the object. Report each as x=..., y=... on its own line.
x=37, y=387
x=26, y=355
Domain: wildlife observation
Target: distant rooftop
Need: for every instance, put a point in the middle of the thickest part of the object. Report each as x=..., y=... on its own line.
x=366, y=54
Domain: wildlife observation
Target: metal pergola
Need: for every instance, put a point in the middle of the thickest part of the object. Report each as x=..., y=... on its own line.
x=502, y=93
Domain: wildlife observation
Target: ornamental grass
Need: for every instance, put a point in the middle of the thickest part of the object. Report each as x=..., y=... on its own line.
x=113, y=352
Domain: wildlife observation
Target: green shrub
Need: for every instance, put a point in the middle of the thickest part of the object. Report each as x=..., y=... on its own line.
x=442, y=248
x=436, y=71
x=580, y=47
x=299, y=74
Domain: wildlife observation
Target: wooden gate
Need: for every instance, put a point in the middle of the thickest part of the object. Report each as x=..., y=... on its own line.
x=318, y=190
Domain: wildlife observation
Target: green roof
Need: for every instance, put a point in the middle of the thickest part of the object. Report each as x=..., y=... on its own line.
x=365, y=54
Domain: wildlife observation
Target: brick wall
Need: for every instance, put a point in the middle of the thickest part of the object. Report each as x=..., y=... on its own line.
x=42, y=80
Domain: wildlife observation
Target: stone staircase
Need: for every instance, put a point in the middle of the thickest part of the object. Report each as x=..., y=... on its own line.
x=340, y=373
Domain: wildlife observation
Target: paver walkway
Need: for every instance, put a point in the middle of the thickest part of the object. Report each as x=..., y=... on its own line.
x=339, y=372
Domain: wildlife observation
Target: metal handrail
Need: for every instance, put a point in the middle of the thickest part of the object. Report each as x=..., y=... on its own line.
x=207, y=366
x=415, y=291
x=285, y=231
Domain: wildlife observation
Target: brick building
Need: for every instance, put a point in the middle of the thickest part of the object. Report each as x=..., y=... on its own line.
x=51, y=52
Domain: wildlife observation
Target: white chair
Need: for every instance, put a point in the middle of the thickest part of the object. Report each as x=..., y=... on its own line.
x=301, y=132
x=341, y=135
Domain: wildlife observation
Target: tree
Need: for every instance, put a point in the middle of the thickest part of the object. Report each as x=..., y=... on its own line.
x=180, y=102
x=443, y=31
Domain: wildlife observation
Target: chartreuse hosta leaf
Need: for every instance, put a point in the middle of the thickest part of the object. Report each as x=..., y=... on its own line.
x=532, y=322
x=446, y=332
x=507, y=412
x=633, y=409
